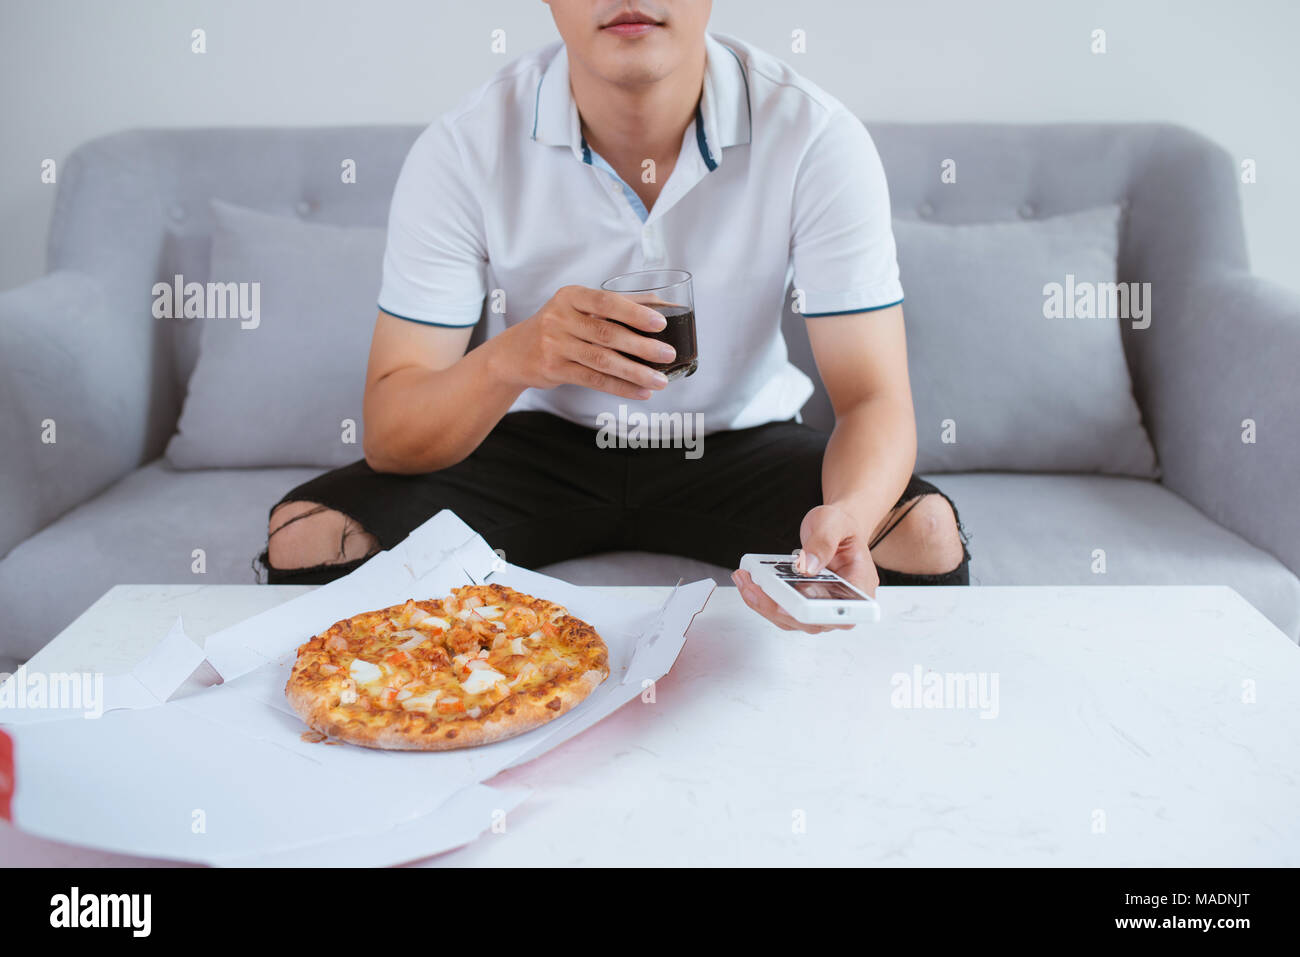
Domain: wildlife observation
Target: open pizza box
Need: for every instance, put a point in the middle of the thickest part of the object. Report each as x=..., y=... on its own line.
x=198, y=757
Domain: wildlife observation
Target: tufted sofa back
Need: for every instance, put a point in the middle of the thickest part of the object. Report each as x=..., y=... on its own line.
x=132, y=209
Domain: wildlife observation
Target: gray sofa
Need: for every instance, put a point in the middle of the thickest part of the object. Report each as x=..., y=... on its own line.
x=98, y=506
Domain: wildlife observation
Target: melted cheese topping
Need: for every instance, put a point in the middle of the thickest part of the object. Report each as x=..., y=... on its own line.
x=423, y=702
x=363, y=672
x=481, y=680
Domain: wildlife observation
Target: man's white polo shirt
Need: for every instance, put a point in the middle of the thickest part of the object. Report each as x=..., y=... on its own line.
x=777, y=187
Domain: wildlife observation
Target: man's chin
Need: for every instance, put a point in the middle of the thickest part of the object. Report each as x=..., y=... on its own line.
x=633, y=71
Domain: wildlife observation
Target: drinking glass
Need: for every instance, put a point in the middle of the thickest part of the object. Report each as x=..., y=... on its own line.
x=669, y=293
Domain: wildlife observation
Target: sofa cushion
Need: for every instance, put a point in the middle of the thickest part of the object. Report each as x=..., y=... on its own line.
x=1025, y=530
x=997, y=384
x=284, y=388
x=1048, y=529
x=142, y=530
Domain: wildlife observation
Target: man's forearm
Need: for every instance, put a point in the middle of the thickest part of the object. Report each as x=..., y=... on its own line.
x=869, y=459
x=421, y=420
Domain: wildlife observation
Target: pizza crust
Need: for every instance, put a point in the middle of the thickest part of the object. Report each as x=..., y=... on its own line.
x=415, y=731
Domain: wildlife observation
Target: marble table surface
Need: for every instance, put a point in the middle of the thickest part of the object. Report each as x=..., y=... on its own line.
x=972, y=726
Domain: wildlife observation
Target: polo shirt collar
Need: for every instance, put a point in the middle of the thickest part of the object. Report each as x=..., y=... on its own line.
x=555, y=115
x=723, y=117
x=724, y=104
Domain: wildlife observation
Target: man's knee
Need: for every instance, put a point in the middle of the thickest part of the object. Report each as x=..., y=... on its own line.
x=925, y=542
x=305, y=534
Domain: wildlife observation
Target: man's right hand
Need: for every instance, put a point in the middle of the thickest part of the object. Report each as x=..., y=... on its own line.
x=571, y=341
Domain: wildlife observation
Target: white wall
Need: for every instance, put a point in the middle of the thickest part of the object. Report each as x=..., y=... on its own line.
x=74, y=69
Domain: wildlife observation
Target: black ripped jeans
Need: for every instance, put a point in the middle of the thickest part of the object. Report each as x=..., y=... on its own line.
x=541, y=489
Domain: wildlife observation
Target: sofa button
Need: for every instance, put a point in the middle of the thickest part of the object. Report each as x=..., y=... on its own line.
x=176, y=212
x=1027, y=211
x=304, y=207
x=926, y=210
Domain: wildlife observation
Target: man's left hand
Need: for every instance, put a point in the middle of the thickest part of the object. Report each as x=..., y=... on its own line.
x=831, y=539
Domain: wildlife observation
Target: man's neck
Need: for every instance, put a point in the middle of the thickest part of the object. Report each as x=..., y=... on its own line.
x=629, y=124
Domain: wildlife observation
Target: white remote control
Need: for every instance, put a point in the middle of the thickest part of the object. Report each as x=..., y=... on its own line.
x=821, y=599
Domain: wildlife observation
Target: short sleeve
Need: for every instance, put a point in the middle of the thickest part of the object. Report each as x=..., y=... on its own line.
x=435, y=261
x=842, y=241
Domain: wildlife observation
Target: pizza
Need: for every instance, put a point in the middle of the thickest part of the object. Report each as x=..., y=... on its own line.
x=483, y=664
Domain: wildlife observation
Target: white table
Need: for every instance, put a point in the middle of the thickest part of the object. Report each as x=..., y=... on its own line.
x=1134, y=726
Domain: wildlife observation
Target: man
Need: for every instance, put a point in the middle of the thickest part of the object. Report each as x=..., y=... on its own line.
x=641, y=142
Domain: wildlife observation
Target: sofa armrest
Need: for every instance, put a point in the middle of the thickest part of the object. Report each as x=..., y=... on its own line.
x=1234, y=358
x=63, y=377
